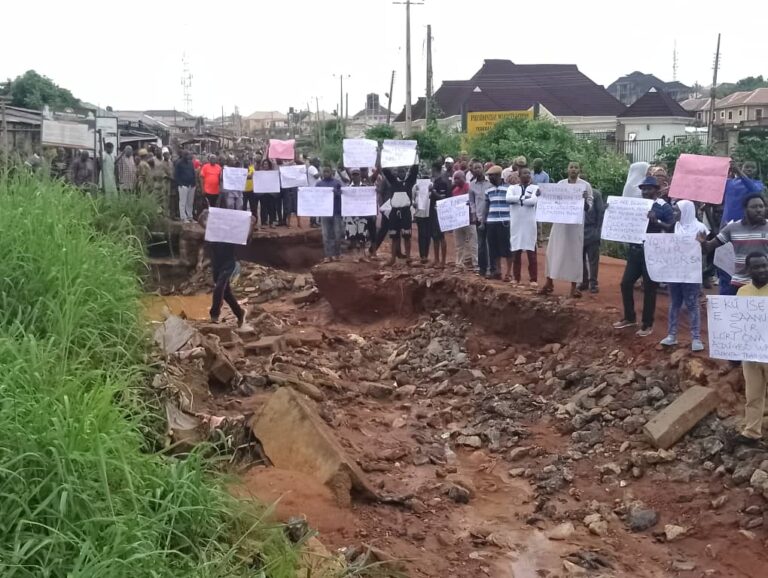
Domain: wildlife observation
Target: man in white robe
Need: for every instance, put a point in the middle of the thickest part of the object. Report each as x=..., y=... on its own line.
x=566, y=242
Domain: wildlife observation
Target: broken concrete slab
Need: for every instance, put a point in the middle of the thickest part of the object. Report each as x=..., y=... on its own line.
x=173, y=334
x=308, y=389
x=678, y=418
x=267, y=344
x=294, y=437
x=218, y=364
x=302, y=337
x=224, y=332
x=306, y=296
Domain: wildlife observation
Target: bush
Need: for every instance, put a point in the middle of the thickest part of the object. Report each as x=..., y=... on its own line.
x=435, y=143
x=80, y=498
x=557, y=146
x=753, y=148
x=668, y=154
x=381, y=132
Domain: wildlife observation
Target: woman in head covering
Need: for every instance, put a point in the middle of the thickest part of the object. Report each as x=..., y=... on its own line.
x=637, y=172
x=689, y=227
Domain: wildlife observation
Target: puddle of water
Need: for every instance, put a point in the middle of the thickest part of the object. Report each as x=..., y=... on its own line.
x=193, y=306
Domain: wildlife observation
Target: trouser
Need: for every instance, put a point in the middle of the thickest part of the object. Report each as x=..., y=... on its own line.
x=425, y=236
x=533, y=265
x=466, y=245
x=755, y=378
x=381, y=234
x=277, y=207
x=485, y=264
x=591, y=260
x=232, y=200
x=333, y=232
x=371, y=228
x=724, y=280
x=222, y=291
x=685, y=294
x=212, y=200
x=186, y=202
x=634, y=270
x=251, y=203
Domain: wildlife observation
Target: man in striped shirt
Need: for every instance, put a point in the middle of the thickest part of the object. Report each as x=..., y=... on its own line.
x=747, y=236
x=495, y=220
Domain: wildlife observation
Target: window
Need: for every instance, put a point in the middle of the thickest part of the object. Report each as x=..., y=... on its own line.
x=698, y=116
x=758, y=113
x=741, y=112
x=722, y=114
x=730, y=115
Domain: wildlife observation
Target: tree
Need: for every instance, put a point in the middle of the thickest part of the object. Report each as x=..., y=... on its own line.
x=744, y=85
x=557, y=146
x=32, y=90
x=435, y=142
x=668, y=154
x=381, y=132
x=754, y=148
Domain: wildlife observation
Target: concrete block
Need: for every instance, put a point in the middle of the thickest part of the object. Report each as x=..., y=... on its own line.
x=295, y=438
x=306, y=296
x=678, y=418
x=267, y=344
x=302, y=337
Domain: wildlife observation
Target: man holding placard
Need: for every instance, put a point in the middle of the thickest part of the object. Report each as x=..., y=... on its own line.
x=333, y=227
x=755, y=373
x=401, y=184
x=661, y=219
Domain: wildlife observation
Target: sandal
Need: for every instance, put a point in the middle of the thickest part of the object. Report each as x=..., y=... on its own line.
x=546, y=290
x=576, y=294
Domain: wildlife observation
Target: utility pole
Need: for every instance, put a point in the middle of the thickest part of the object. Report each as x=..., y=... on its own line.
x=674, y=62
x=429, y=74
x=713, y=95
x=389, y=106
x=346, y=107
x=408, y=63
x=340, y=116
x=6, y=148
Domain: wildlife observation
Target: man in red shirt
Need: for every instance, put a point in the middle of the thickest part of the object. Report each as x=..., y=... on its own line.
x=210, y=175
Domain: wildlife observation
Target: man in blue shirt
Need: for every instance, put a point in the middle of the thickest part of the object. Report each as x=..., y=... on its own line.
x=539, y=177
x=737, y=189
x=661, y=219
x=333, y=227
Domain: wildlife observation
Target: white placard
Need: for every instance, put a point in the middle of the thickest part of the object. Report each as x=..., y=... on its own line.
x=398, y=153
x=422, y=198
x=673, y=258
x=738, y=327
x=234, y=179
x=358, y=201
x=266, y=181
x=386, y=208
x=228, y=226
x=725, y=258
x=453, y=213
x=561, y=204
x=626, y=219
x=315, y=202
x=67, y=134
x=360, y=152
x=293, y=176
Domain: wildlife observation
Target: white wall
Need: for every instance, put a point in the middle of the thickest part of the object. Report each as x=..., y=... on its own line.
x=655, y=128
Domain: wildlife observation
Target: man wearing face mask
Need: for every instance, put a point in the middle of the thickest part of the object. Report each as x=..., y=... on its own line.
x=661, y=219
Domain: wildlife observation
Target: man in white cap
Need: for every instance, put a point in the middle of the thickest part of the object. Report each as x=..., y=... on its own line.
x=448, y=164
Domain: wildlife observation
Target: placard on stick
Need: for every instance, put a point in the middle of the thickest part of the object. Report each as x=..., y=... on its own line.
x=266, y=181
x=673, y=258
x=315, y=202
x=293, y=176
x=738, y=327
x=422, y=197
x=561, y=203
x=234, y=179
x=398, y=153
x=626, y=219
x=700, y=178
x=453, y=212
x=725, y=259
x=358, y=202
x=228, y=226
x=360, y=152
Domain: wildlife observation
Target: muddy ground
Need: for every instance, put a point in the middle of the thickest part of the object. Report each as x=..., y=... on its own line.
x=504, y=427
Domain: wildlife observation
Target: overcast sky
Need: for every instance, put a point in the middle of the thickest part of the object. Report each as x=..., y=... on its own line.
x=273, y=55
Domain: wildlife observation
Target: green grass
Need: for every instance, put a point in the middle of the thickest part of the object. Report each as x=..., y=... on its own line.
x=79, y=495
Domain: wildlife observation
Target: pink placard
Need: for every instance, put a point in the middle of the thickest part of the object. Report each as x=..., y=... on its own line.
x=700, y=178
x=281, y=149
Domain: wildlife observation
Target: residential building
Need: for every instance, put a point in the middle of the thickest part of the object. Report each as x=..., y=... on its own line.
x=744, y=108
x=263, y=122
x=373, y=113
x=700, y=108
x=631, y=87
x=649, y=123
x=558, y=91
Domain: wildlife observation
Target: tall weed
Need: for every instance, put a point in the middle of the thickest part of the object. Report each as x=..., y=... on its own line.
x=78, y=496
